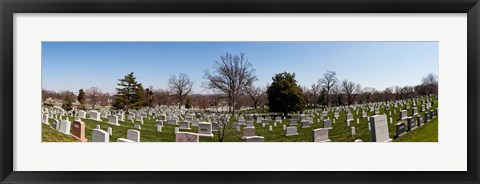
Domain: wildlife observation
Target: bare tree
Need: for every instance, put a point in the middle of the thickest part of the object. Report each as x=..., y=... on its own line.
x=431, y=82
x=104, y=99
x=388, y=94
x=201, y=100
x=93, y=96
x=350, y=89
x=161, y=97
x=50, y=95
x=255, y=94
x=336, y=95
x=329, y=81
x=408, y=92
x=232, y=75
x=307, y=94
x=430, y=79
x=367, y=93
x=180, y=86
x=397, y=89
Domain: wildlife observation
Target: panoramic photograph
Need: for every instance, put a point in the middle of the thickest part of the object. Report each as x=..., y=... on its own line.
x=239, y=92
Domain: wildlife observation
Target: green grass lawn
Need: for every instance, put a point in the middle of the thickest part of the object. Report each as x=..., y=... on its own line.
x=339, y=133
x=426, y=133
x=52, y=135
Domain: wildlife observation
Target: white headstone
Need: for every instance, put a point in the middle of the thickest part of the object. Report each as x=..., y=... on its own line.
x=95, y=115
x=131, y=116
x=403, y=114
x=82, y=114
x=172, y=121
x=65, y=126
x=45, y=118
x=133, y=135
x=305, y=124
x=121, y=117
x=291, y=131
x=293, y=122
x=248, y=132
x=379, y=129
x=139, y=118
x=349, y=116
x=250, y=124
x=320, y=135
x=327, y=124
x=100, y=136
x=109, y=130
x=184, y=125
x=205, y=129
x=113, y=120
x=195, y=123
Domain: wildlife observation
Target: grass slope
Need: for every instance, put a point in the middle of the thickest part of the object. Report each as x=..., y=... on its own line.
x=340, y=132
x=52, y=135
x=426, y=133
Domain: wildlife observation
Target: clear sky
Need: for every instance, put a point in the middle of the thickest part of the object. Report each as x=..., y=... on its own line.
x=74, y=65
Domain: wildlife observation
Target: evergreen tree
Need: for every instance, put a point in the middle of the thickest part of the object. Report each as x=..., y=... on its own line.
x=81, y=99
x=81, y=96
x=284, y=95
x=188, y=103
x=129, y=93
x=67, y=101
x=139, y=98
x=148, y=97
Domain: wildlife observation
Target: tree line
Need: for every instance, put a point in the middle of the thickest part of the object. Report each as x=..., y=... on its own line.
x=285, y=95
x=231, y=79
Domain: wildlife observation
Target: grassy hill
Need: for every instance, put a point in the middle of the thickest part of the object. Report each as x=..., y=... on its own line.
x=340, y=132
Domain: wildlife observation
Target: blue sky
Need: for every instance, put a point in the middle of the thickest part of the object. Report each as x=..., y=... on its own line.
x=74, y=65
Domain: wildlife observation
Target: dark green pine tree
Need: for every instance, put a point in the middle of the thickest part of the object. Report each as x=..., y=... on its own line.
x=188, y=103
x=81, y=96
x=81, y=99
x=139, y=98
x=284, y=95
x=127, y=96
x=148, y=97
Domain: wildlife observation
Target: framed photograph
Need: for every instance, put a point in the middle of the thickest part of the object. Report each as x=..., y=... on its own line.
x=353, y=91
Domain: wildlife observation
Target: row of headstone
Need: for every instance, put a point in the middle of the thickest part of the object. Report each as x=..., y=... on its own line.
x=412, y=123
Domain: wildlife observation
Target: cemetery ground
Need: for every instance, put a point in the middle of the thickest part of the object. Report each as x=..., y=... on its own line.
x=425, y=133
x=340, y=132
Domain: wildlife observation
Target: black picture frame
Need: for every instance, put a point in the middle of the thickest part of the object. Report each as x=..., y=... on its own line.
x=9, y=7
